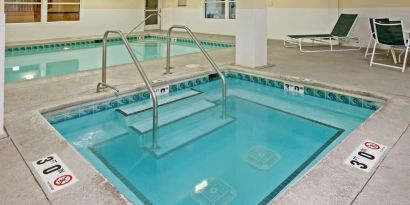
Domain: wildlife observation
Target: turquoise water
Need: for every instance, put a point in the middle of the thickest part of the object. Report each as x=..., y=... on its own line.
x=32, y=65
x=269, y=139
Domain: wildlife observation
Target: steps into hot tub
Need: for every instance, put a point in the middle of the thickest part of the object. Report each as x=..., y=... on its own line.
x=183, y=132
x=182, y=118
x=133, y=109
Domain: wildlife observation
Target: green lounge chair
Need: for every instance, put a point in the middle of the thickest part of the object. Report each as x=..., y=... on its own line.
x=391, y=35
x=372, y=34
x=340, y=33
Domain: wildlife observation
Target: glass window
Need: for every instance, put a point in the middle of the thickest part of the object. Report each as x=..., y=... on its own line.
x=63, y=10
x=214, y=9
x=182, y=3
x=218, y=9
x=232, y=9
x=22, y=11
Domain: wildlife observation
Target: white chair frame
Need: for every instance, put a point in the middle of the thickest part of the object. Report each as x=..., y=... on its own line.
x=406, y=48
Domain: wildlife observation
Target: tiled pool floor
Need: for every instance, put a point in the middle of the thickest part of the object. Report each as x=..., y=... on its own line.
x=331, y=182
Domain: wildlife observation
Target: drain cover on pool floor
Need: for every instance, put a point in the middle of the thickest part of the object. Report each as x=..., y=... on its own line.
x=261, y=157
x=213, y=192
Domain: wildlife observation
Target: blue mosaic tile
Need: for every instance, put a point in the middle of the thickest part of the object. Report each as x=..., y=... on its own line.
x=87, y=110
x=191, y=83
x=319, y=93
x=145, y=95
x=356, y=101
x=371, y=105
x=309, y=91
x=331, y=96
x=198, y=82
x=58, y=46
x=280, y=85
x=253, y=79
x=246, y=77
x=174, y=88
x=69, y=115
x=271, y=83
x=124, y=100
x=262, y=81
x=342, y=99
x=101, y=107
x=56, y=118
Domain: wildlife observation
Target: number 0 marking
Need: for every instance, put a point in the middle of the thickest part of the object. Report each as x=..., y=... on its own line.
x=366, y=155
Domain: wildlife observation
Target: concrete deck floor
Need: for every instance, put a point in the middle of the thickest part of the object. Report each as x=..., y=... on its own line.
x=330, y=182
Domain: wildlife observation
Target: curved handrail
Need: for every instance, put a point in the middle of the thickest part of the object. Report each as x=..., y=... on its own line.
x=137, y=64
x=143, y=21
x=208, y=57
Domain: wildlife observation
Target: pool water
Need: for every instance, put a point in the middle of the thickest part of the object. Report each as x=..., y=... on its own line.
x=24, y=65
x=268, y=139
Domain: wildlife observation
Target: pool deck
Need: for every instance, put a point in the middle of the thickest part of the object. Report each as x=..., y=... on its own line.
x=30, y=137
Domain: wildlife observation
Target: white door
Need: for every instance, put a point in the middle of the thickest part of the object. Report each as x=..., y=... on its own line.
x=152, y=7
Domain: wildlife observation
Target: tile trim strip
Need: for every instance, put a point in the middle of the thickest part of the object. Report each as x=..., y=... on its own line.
x=90, y=43
x=309, y=91
x=84, y=110
x=73, y=113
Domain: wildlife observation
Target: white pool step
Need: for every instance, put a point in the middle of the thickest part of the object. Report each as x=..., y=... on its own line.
x=133, y=109
x=97, y=134
x=176, y=135
x=142, y=123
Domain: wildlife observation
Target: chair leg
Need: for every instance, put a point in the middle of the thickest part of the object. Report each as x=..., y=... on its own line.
x=373, y=53
x=331, y=44
x=393, y=53
x=400, y=55
x=368, y=47
x=405, y=58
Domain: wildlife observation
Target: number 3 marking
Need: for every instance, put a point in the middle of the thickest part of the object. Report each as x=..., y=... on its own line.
x=362, y=166
x=40, y=162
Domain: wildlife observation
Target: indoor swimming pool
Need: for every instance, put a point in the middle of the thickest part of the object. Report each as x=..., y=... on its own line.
x=53, y=59
x=269, y=138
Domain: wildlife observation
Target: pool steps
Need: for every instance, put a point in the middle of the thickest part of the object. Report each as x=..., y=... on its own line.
x=134, y=109
x=181, y=109
x=169, y=114
x=171, y=137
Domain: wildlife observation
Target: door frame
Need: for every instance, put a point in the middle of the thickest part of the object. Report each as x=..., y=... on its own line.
x=154, y=26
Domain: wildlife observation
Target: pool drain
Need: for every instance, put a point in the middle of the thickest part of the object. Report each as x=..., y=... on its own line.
x=261, y=157
x=213, y=192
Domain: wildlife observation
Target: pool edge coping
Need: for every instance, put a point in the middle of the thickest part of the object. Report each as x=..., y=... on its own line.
x=93, y=98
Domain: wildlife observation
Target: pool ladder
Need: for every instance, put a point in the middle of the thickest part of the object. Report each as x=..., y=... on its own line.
x=207, y=56
x=103, y=84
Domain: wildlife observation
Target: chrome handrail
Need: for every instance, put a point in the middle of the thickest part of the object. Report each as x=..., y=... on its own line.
x=137, y=64
x=208, y=57
x=143, y=21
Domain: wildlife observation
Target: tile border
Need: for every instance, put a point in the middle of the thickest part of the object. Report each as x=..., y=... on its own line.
x=91, y=108
x=325, y=94
x=70, y=113
x=92, y=43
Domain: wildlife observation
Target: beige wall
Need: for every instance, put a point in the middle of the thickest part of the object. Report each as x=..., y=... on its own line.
x=269, y=3
x=96, y=17
x=374, y=3
x=284, y=17
x=308, y=3
x=112, y=4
